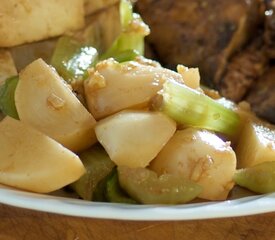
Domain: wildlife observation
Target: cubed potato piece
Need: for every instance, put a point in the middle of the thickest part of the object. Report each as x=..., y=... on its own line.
x=32, y=20
x=46, y=102
x=7, y=67
x=32, y=161
x=113, y=87
x=202, y=157
x=134, y=138
x=92, y=6
x=256, y=144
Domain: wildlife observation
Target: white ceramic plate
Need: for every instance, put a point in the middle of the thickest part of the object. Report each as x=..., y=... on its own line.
x=75, y=207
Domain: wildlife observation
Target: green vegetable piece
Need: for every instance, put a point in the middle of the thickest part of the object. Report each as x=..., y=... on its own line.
x=7, y=102
x=133, y=32
x=126, y=13
x=259, y=178
x=72, y=60
x=193, y=108
x=125, y=56
x=114, y=192
x=98, y=165
x=145, y=186
x=99, y=194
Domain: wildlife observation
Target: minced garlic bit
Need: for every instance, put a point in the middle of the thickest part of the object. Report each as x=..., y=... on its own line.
x=55, y=101
x=191, y=76
x=95, y=81
x=138, y=26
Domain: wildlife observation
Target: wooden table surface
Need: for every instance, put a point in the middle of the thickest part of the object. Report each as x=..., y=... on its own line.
x=17, y=224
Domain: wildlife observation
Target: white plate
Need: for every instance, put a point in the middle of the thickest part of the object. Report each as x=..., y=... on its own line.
x=75, y=207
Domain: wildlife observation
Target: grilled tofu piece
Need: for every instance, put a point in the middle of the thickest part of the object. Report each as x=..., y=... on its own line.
x=199, y=33
x=23, y=21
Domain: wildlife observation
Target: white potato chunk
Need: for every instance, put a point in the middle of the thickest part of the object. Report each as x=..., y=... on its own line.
x=32, y=20
x=200, y=156
x=92, y=6
x=113, y=87
x=256, y=144
x=134, y=138
x=32, y=161
x=7, y=67
x=46, y=102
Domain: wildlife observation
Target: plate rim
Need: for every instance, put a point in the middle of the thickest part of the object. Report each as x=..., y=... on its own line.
x=193, y=211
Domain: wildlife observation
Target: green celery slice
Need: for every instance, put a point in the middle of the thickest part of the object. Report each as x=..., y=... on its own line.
x=133, y=32
x=114, y=193
x=193, y=108
x=126, y=13
x=146, y=187
x=7, y=102
x=98, y=165
x=125, y=56
x=72, y=60
x=259, y=178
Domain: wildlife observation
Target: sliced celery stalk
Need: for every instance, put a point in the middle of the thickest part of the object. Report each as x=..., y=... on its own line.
x=99, y=194
x=114, y=192
x=98, y=165
x=71, y=59
x=146, y=187
x=126, y=13
x=259, y=178
x=125, y=56
x=133, y=32
x=7, y=103
x=109, y=190
x=193, y=108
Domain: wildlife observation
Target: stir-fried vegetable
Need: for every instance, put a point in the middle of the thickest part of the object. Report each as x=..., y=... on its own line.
x=114, y=193
x=131, y=39
x=98, y=165
x=259, y=178
x=146, y=187
x=193, y=108
x=7, y=103
x=160, y=136
x=72, y=60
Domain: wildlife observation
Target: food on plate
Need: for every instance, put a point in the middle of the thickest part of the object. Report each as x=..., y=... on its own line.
x=7, y=101
x=256, y=144
x=112, y=87
x=28, y=21
x=32, y=161
x=98, y=166
x=145, y=186
x=7, y=67
x=86, y=112
x=259, y=178
x=47, y=103
x=202, y=157
x=91, y=6
x=201, y=34
x=232, y=43
x=123, y=133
